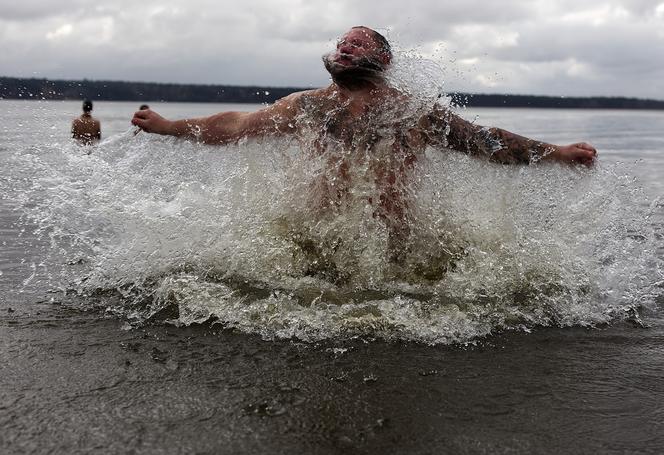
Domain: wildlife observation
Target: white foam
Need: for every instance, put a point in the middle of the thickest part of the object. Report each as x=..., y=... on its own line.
x=209, y=231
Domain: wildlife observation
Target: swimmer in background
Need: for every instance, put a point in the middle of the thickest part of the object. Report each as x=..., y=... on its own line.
x=86, y=129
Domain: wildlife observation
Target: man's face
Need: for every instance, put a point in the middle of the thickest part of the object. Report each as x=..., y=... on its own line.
x=356, y=44
x=357, y=57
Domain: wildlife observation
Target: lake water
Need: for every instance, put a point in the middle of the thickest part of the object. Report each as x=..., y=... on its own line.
x=156, y=296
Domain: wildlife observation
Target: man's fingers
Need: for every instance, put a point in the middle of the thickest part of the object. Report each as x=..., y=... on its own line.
x=141, y=118
x=149, y=121
x=588, y=159
x=586, y=146
x=589, y=153
x=142, y=114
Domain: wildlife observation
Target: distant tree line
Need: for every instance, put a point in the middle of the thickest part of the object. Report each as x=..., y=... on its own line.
x=19, y=88
x=559, y=102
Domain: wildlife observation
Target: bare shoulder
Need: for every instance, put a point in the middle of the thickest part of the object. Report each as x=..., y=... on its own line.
x=292, y=105
x=312, y=101
x=278, y=117
x=434, y=115
x=297, y=98
x=319, y=94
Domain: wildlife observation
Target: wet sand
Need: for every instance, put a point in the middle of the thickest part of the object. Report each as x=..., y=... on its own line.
x=74, y=381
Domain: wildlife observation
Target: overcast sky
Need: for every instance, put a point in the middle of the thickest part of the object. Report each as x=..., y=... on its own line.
x=552, y=47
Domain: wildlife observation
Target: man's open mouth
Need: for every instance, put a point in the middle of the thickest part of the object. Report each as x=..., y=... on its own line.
x=344, y=58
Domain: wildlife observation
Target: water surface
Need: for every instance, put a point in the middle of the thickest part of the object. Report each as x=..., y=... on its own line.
x=495, y=356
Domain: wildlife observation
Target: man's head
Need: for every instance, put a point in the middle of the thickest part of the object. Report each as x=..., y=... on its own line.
x=87, y=106
x=361, y=57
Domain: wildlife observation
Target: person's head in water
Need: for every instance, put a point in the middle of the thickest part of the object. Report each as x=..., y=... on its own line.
x=361, y=57
x=87, y=106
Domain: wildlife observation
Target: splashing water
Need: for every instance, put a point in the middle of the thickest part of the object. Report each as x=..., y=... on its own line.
x=188, y=233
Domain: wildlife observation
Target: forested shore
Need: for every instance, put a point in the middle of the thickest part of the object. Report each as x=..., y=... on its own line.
x=48, y=89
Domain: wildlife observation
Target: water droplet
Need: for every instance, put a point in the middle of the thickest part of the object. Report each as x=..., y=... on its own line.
x=370, y=379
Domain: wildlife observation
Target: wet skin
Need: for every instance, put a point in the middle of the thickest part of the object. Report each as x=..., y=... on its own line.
x=86, y=129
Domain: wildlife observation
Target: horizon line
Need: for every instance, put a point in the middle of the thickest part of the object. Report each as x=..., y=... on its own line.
x=626, y=97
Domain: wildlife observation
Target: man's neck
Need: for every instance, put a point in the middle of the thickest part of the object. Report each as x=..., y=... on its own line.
x=357, y=84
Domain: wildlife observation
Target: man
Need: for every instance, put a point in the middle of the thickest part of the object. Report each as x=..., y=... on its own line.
x=366, y=131
x=86, y=129
x=362, y=55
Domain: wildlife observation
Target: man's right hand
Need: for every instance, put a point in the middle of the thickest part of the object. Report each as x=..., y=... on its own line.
x=150, y=121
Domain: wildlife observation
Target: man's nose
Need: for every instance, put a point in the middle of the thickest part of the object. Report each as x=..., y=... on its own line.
x=345, y=49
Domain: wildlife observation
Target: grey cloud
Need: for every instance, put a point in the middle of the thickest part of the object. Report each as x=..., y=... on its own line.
x=280, y=42
x=614, y=46
x=28, y=10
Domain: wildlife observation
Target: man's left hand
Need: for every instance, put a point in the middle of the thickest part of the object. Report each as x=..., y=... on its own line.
x=578, y=153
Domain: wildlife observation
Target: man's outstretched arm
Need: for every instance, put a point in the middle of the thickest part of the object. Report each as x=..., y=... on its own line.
x=500, y=145
x=225, y=127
